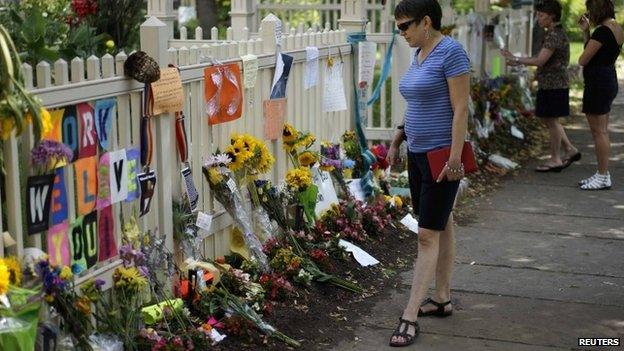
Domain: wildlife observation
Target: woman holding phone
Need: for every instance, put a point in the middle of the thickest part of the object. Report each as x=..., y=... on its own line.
x=602, y=49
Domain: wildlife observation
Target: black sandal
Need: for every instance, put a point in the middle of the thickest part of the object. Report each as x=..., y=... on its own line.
x=439, y=312
x=407, y=338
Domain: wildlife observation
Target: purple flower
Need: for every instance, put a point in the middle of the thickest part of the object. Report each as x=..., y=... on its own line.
x=50, y=150
x=143, y=270
x=99, y=283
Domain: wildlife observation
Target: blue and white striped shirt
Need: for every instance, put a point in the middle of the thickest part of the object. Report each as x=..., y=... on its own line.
x=429, y=114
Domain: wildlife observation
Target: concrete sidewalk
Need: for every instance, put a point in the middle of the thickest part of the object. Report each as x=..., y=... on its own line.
x=542, y=265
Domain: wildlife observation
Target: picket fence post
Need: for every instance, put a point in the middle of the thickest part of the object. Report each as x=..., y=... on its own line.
x=243, y=13
x=163, y=10
x=154, y=41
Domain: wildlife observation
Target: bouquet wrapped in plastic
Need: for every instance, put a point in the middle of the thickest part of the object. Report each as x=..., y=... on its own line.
x=226, y=191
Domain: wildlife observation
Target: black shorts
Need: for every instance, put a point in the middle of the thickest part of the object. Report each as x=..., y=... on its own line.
x=551, y=103
x=432, y=201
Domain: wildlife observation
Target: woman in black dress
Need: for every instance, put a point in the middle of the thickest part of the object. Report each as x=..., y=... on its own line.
x=602, y=49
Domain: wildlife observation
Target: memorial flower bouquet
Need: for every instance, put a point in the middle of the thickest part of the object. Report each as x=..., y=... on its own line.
x=60, y=293
x=222, y=182
x=250, y=159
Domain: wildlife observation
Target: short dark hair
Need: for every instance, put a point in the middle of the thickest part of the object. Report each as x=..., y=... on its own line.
x=418, y=9
x=551, y=7
x=600, y=10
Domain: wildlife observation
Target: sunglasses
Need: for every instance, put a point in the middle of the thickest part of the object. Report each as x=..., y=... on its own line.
x=405, y=25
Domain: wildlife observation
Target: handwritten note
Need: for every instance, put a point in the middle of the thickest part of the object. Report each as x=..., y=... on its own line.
x=167, y=92
x=274, y=116
x=367, y=55
x=310, y=79
x=334, y=95
x=250, y=70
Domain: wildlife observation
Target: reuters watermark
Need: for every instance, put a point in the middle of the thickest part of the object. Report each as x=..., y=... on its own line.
x=597, y=342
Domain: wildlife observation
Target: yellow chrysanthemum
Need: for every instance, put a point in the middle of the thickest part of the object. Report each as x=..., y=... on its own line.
x=129, y=278
x=326, y=168
x=289, y=133
x=307, y=158
x=66, y=273
x=4, y=278
x=347, y=173
x=83, y=304
x=398, y=202
x=6, y=124
x=15, y=270
x=299, y=178
x=215, y=176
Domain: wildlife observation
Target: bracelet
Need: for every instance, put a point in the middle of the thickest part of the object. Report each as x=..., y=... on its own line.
x=457, y=171
x=402, y=126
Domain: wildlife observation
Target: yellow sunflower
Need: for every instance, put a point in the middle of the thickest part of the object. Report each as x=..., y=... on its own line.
x=15, y=270
x=307, y=158
x=299, y=178
x=289, y=133
x=326, y=168
x=266, y=159
x=4, y=278
x=306, y=141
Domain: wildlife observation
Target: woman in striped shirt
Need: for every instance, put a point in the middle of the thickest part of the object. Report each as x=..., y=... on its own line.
x=436, y=88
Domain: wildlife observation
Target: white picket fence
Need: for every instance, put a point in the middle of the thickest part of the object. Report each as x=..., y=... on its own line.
x=65, y=84
x=68, y=83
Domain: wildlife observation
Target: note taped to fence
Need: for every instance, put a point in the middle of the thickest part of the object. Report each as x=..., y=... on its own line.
x=310, y=78
x=274, y=116
x=250, y=70
x=85, y=171
x=167, y=92
x=58, y=245
x=367, y=55
x=333, y=93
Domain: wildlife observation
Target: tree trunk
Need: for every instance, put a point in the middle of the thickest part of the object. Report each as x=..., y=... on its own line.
x=207, y=15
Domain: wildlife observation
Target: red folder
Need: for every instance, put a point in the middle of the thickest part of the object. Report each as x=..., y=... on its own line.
x=438, y=158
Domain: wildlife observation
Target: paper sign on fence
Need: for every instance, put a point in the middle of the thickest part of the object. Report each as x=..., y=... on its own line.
x=310, y=78
x=361, y=256
x=274, y=116
x=367, y=56
x=280, y=79
x=167, y=92
x=333, y=93
x=250, y=70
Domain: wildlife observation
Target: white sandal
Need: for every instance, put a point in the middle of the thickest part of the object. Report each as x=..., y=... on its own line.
x=598, y=182
x=587, y=180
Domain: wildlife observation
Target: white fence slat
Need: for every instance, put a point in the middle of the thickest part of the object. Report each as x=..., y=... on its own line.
x=44, y=76
x=194, y=55
x=27, y=71
x=199, y=33
x=61, y=72
x=120, y=59
x=214, y=33
x=108, y=66
x=77, y=70
x=13, y=195
x=173, y=56
x=93, y=68
x=183, y=33
x=183, y=56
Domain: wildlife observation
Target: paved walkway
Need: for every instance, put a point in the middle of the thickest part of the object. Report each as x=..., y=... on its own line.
x=542, y=265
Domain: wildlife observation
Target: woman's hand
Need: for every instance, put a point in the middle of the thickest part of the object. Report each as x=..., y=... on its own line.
x=452, y=171
x=583, y=23
x=509, y=57
x=393, y=154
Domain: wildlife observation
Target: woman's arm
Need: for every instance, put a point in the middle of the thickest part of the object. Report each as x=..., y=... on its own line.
x=459, y=90
x=397, y=140
x=542, y=57
x=590, y=50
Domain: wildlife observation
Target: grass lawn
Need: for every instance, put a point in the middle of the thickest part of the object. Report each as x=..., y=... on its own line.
x=576, y=49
